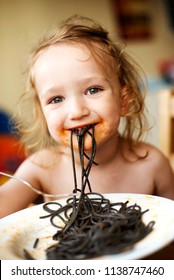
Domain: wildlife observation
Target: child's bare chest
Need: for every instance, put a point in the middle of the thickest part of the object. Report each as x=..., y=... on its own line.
x=62, y=180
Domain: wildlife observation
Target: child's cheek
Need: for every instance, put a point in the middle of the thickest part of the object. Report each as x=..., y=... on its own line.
x=102, y=132
x=65, y=138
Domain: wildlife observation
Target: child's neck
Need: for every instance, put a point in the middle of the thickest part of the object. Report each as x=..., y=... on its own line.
x=108, y=152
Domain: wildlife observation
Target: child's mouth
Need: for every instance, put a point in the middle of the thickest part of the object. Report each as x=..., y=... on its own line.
x=81, y=130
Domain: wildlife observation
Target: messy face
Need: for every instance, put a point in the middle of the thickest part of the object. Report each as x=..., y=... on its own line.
x=74, y=92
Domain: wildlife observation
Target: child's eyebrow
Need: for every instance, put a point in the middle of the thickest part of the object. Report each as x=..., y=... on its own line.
x=50, y=91
x=55, y=89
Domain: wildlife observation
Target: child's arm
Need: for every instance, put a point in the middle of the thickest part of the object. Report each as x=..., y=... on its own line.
x=14, y=195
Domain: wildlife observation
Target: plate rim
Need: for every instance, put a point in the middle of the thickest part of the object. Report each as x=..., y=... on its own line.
x=131, y=254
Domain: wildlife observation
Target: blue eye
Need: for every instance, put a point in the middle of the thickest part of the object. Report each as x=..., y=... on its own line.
x=93, y=90
x=56, y=99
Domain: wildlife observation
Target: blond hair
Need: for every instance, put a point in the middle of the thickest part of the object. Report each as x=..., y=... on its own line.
x=81, y=30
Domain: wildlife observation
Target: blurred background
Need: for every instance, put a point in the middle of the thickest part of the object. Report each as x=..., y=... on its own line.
x=145, y=26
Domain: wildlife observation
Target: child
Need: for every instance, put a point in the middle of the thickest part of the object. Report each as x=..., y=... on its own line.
x=79, y=77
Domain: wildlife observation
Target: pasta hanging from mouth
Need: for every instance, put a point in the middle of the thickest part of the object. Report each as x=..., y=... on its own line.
x=93, y=225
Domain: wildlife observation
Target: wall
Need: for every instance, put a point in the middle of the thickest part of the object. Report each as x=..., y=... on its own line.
x=22, y=22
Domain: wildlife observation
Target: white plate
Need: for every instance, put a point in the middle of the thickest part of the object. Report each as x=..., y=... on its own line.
x=20, y=230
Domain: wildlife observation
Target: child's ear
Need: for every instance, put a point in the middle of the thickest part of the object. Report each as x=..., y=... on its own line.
x=124, y=101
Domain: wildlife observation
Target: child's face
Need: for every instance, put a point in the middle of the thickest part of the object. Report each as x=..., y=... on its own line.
x=74, y=92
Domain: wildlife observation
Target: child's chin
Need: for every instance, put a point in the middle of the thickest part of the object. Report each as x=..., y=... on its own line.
x=65, y=140
x=87, y=146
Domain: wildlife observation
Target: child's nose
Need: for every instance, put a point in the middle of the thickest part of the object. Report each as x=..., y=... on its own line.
x=78, y=109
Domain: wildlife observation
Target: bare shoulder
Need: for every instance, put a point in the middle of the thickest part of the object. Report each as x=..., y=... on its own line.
x=151, y=154
x=161, y=170
x=45, y=158
x=36, y=166
x=34, y=170
x=155, y=157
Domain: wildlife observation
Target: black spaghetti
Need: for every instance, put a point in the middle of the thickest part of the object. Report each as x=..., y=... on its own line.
x=93, y=226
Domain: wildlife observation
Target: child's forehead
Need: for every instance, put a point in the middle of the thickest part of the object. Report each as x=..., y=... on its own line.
x=68, y=48
x=78, y=50
x=63, y=48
